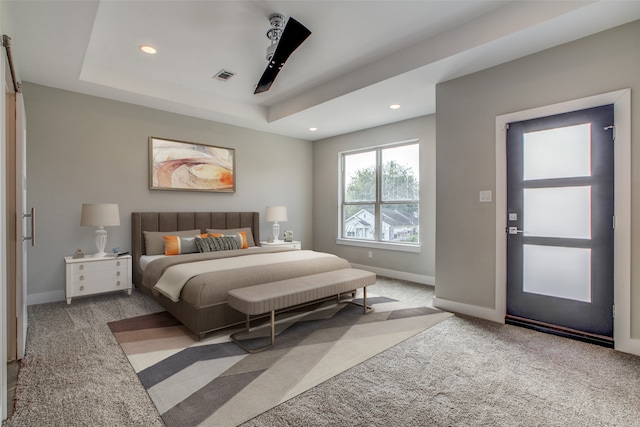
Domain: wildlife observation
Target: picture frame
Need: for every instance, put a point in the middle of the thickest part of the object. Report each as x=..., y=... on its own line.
x=190, y=166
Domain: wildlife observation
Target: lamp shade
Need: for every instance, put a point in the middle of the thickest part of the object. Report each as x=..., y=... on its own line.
x=275, y=213
x=100, y=214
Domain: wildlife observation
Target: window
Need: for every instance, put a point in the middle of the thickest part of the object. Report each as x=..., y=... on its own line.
x=380, y=194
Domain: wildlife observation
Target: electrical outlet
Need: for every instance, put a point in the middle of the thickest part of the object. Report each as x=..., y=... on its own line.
x=370, y=255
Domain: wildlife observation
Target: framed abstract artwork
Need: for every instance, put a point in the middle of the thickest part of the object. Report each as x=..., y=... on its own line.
x=188, y=166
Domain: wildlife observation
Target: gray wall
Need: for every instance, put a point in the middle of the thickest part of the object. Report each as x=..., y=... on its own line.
x=84, y=149
x=467, y=109
x=326, y=190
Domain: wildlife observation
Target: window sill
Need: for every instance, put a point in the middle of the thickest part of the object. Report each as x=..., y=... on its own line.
x=380, y=245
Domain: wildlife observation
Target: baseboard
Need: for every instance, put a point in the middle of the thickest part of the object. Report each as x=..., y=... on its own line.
x=469, y=310
x=400, y=275
x=45, y=297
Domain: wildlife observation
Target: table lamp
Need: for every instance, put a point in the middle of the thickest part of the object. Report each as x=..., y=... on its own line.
x=100, y=215
x=275, y=214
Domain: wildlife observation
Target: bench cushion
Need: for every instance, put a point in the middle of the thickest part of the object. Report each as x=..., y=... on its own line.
x=287, y=293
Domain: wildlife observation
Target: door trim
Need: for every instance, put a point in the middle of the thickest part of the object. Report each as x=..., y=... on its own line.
x=21, y=221
x=622, y=206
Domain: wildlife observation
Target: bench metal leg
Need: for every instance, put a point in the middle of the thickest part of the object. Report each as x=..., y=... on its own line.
x=365, y=308
x=234, y=336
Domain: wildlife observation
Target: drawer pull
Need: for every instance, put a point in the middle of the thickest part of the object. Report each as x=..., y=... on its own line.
x=81, y=266
x=81, y=277
x=118, y=274
x=82, y=288
x=118, y=263
x=118, y=283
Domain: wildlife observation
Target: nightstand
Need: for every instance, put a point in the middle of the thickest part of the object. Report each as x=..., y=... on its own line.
x=295, y=244
x=89, y=276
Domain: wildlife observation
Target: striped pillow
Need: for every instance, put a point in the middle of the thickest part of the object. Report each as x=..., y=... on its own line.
x=213, y=244
x=248, y=233
x=241, y=236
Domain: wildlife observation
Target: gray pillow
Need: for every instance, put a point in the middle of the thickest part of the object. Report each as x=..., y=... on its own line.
x=250, y=241
x=154, y=240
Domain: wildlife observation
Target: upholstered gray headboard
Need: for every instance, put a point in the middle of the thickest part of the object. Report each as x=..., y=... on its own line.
x=176, y=221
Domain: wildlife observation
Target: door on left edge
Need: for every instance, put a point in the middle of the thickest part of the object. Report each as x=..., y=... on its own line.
x=19, y=221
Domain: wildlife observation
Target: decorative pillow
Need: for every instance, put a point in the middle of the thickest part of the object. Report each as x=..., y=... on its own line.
x=176, y=245
x=213, y=244
x=241, y=237
x=246, y=230
x=154, y=240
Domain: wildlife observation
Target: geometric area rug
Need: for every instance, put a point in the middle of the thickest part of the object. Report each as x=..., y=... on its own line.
x=213, y=382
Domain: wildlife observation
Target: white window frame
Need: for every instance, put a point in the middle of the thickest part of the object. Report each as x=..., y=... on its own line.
x=377, y=243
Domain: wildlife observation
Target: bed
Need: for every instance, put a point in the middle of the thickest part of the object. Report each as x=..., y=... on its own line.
x=198, y=299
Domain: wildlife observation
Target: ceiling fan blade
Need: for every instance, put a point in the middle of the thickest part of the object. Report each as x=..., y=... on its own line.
x=294, y=35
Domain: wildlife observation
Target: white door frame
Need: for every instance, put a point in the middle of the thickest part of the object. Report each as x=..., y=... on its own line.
x=3, y=250
x=21, y=226
x=621, y=100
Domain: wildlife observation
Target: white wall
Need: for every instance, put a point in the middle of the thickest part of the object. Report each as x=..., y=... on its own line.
x=419, y=267
x=84, y=149
x=466, y=151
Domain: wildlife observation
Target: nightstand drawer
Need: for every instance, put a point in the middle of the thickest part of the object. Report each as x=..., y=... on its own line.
x=294, y=245
x=93, y=276
x=92, y=266
x=88, y=288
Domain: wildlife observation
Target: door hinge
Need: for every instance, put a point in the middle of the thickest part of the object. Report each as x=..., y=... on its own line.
x=613, y=309
x=613, y=222
x=613, y=128
x=506, y=126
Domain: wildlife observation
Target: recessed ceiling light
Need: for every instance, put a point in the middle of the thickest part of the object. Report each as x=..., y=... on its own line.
x=394, y=106
x=313, y=129
x=148, y=49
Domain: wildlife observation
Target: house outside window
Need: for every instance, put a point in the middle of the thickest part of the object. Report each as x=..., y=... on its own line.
x=380, y=194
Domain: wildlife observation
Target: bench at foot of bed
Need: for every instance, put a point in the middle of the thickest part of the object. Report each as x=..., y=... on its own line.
x=283, y=294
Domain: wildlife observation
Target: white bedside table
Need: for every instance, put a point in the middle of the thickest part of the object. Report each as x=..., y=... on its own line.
x=295, y=244
x=89, y=276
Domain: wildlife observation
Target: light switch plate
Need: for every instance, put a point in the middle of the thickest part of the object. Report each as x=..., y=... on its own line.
x=485, y=196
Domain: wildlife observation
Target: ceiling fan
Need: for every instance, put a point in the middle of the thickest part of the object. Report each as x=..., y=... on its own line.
x=283, y=43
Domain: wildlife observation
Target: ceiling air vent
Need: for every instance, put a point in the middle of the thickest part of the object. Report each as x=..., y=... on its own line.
x=224, y=75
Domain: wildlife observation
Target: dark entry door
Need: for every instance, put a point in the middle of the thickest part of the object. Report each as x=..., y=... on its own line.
x=560, y=222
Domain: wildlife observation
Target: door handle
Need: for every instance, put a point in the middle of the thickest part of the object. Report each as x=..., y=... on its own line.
x=31, y=215
x=515, y=230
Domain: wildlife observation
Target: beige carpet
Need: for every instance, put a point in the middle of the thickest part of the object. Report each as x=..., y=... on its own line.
x=460, y=372
x=215, y=383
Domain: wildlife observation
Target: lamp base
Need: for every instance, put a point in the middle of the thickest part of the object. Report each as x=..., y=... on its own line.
x=276, y=232
x=101, y=242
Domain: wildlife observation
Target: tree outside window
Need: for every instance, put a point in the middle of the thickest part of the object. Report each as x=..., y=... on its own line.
x=380, y=197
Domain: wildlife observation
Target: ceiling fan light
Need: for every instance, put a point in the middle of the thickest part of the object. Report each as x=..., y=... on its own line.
x=271, y=49
x=148, y=49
